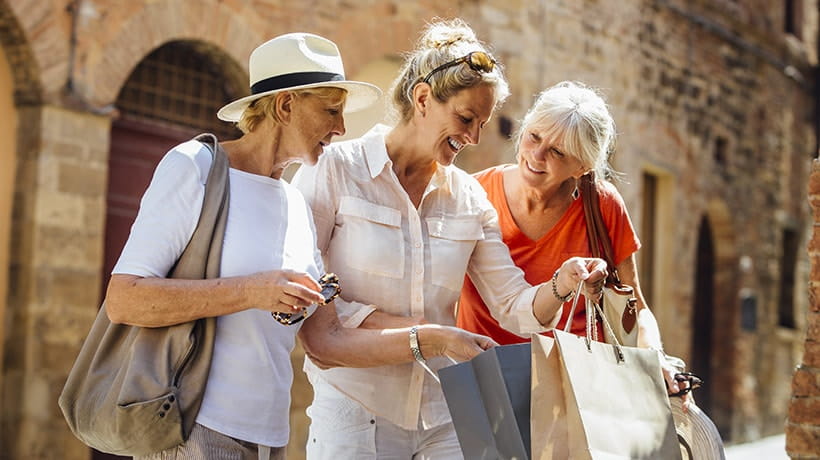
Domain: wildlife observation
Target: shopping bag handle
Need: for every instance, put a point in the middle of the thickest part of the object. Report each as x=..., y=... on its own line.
x=590, y=321
x=574, y=304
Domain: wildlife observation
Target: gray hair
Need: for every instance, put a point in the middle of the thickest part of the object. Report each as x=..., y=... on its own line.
x=442, y=42
x=576, y=119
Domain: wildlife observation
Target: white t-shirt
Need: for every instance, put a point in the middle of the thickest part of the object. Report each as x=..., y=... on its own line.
x=269, y=227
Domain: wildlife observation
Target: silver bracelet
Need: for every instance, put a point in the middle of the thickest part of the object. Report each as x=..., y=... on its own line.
x=414, y=345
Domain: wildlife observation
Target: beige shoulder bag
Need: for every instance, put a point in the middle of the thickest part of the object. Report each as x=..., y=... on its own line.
x=135, y=390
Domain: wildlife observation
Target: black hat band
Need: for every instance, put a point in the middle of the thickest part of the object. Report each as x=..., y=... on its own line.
x=294, y=79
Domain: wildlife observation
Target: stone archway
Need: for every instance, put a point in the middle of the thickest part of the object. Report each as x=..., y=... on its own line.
x=8, y=162
x=105, y=69
x=212, y=25
x=20, y=86
x=715, y=314
x=21, y=59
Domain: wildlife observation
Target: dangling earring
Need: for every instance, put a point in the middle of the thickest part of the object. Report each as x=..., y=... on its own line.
x=575, y=192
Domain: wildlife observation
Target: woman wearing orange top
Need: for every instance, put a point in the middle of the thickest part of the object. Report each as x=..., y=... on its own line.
x=567, y=133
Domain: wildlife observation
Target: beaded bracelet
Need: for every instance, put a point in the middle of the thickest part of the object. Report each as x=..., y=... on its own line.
x=565, y=298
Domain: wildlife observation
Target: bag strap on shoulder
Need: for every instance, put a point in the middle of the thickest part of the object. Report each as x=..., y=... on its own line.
x=599, y=242
x=210, y=230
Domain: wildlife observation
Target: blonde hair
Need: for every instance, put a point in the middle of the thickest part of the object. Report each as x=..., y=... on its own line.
x=441, y=42
x=575, y=119
x=264, y=107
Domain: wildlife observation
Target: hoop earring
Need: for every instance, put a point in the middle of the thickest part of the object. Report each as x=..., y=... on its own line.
x=575, y=192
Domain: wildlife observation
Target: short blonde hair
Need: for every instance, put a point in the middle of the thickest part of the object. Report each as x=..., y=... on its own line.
x=576, y=119
x=264, y=107
x=442, y=42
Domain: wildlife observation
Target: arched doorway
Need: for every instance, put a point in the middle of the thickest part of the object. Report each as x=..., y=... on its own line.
x=172, y=95
x=716, y=316
x=8, y=168
x=702, y=318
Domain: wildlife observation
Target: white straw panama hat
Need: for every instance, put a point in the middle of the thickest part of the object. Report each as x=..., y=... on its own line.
x=698, y=436
x=298, y=61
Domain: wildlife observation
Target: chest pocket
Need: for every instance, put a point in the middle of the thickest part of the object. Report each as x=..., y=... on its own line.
x=369, y=238
x=451, y=242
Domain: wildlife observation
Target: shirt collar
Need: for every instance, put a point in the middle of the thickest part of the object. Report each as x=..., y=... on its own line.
x=375, y=151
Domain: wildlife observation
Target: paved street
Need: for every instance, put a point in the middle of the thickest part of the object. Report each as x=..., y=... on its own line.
x=771, y=448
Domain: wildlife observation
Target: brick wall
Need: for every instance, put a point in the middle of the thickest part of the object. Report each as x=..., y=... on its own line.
x=803, y=424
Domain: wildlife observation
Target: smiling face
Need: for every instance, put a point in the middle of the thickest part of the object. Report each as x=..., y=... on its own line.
x=457, y=122
x=543, y=161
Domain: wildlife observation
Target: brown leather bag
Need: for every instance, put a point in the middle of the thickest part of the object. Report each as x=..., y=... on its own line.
x=135, y=390
x=618, y=302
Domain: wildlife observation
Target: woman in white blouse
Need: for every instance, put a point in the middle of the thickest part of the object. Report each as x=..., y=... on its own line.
x=401, y=226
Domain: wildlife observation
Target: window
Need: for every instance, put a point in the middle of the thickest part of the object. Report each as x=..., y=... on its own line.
x=793, y=17
x=720, y=151
x=646, y=256
x=180, y=85
x=788, y=262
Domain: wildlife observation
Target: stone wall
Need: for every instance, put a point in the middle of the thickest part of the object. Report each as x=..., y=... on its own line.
x=803, y=425
x=711, y=96
x=55, y=271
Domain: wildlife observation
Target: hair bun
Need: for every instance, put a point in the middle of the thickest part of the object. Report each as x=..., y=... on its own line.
x=442, y=34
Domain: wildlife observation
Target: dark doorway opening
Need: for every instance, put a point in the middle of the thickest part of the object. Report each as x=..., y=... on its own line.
x=703, y=319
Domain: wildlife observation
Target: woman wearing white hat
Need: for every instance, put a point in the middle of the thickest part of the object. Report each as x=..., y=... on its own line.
x=270, y=264
x=401, y=226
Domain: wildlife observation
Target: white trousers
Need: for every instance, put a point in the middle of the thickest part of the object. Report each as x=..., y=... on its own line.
x=340, y=428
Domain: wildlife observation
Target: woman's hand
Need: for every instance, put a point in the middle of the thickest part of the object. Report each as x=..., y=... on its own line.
x=285, y=291
x=453, y=342
x=673, y=386
x=589, y=269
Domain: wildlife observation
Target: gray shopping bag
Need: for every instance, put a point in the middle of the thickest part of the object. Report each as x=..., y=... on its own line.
x=489, y=401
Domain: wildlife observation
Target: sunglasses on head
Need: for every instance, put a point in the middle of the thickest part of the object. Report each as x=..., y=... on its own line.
x=478, y=61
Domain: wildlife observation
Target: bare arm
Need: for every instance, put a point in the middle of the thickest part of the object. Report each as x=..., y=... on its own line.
x=649, y=335
x=329, y=344
x=381, y=320
x=547, y=307
x=154, y=302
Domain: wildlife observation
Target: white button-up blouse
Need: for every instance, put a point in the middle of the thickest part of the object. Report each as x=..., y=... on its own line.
x=405, y=261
